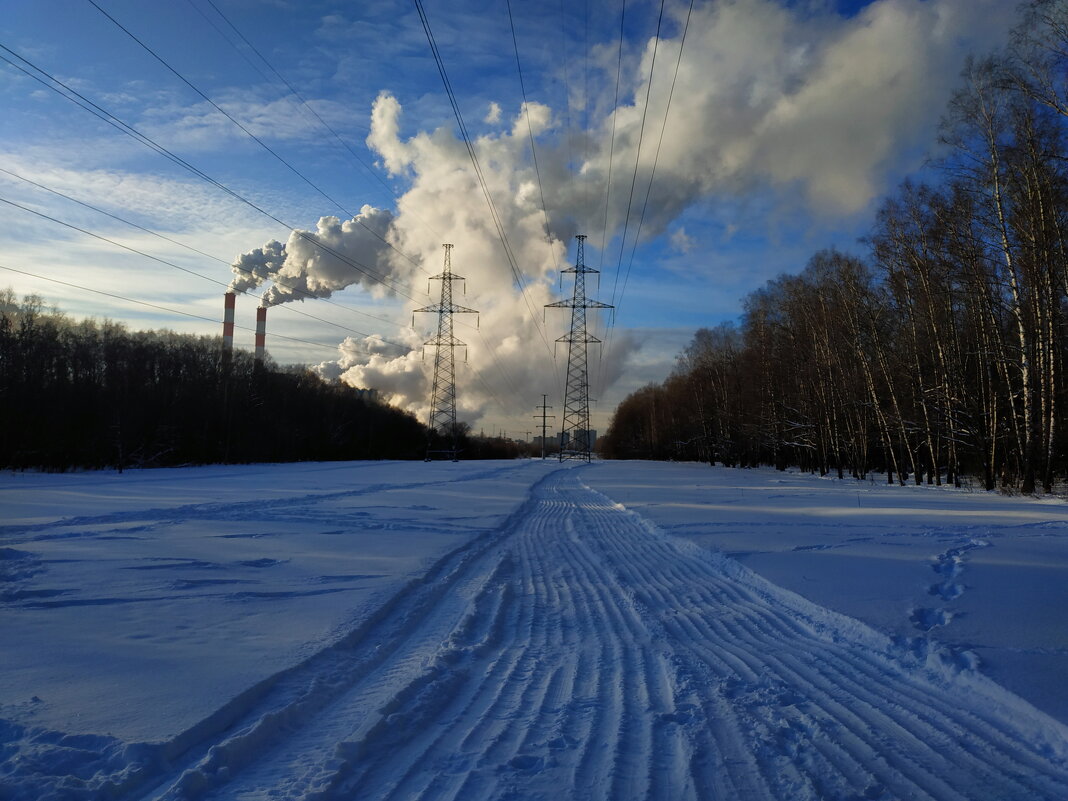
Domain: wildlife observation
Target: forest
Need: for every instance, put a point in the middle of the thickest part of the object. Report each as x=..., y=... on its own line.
x=937, y=356
x=91, y=394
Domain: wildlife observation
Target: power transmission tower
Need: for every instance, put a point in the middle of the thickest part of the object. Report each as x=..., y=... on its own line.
x=443, y=396
x=544, y=407
x=575, y=431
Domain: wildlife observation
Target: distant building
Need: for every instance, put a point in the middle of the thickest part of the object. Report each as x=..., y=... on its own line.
x=551, y=443
x=564, y=437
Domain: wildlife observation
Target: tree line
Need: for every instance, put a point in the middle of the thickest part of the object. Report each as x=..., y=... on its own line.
x=941, y=353
x=89, y=394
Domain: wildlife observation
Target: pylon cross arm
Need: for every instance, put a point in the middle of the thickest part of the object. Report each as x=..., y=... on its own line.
x=578, y=338
x=445, y=342
x=450, y=308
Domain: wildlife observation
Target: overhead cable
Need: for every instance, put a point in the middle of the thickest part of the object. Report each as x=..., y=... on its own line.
x=638, y=154
x=530, y=133
x=512, y=262
x=310, y=109
x=172, y=264
x=158, y=307
x=188, y=247
x=656, y=158
x=246, y=131
x=612, y=147
x=84, y=103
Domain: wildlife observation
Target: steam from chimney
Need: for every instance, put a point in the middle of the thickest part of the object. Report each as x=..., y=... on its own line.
x=315, y=264
x=777, y=123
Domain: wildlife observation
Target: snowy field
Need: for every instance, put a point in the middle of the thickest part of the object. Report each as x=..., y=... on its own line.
x=519, y=629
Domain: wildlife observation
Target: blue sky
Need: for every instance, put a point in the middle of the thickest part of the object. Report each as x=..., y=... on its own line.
x=787, y=123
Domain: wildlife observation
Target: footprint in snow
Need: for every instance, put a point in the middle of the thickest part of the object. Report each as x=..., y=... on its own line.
x=927, y=619
x=949, y=565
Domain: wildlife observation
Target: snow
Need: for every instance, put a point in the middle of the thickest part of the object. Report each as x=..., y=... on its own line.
x=968, y=570
x=525, y=629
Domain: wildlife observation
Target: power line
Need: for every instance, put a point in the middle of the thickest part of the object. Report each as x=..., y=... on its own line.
x=247, y=132
x=612, y=148
x=287, y=307
x=504, y=373
x=656, y=157
x=188, y=247
x=305, y=104
x=638, y=153
x=530, y=132
x=172, y=264
x=88, y=105
x=110, y=241
x=112, y=216
x=485, y=386
x=586, y=99
x=508, y=380
x=567, y=100
x=637, y=162
x=158, y=307
x=512, y=262
x=652, y=172
x=478, y=375
x=293, y=89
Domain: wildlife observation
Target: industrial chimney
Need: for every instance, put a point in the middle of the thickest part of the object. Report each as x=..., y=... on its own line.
x=228, y=323
x=261, y=333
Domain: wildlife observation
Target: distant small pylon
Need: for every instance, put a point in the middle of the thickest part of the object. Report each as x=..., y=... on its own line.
x=443, y=394
x=544, y=420
x=575, y=430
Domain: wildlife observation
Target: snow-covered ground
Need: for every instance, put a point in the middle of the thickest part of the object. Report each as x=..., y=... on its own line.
x=984, y=574
x=525, y=630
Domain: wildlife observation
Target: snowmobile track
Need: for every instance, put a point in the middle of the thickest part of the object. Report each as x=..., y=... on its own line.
x=580, y=653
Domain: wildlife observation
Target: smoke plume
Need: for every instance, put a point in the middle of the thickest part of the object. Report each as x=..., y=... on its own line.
x=316, y=264
x=807, y=107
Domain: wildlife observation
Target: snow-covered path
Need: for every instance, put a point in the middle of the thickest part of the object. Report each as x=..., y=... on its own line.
x=578, y=652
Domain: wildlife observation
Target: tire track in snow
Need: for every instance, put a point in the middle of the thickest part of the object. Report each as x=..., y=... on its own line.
x=363, y=676
x=889, y=713
x=581, y=653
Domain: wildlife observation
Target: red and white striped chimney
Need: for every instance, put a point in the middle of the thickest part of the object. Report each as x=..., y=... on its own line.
x=261, y=332
x=228, y=322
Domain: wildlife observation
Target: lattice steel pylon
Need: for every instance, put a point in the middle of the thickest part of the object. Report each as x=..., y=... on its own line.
x=443, y=394
x=575, y=428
